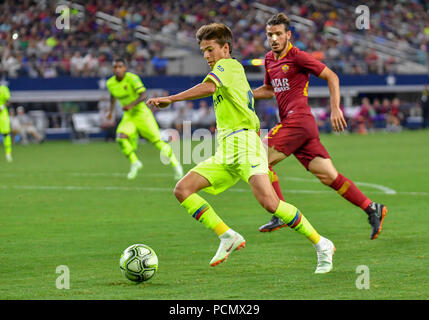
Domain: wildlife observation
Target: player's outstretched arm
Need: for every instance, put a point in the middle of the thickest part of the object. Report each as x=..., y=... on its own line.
x=199, y=91
x=337, y=118
x=263, y=92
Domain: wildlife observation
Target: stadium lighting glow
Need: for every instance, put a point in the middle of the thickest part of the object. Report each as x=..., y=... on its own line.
x=257, y=62
x=253, y=62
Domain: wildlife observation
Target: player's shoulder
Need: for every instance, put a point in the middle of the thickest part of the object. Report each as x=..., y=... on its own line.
x=132, y=76
x=295, y=51
x=298, y=53
x=226, y=65
x=111, y=80
x=4, y=90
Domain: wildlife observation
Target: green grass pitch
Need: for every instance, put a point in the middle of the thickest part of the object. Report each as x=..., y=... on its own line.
x=71, y=204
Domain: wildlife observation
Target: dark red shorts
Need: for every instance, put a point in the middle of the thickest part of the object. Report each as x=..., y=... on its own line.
x=298, y=136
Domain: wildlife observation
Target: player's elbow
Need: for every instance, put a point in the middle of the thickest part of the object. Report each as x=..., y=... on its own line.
x=269, y=94
x=210, y=88
x=332, y=77
x=263, y=92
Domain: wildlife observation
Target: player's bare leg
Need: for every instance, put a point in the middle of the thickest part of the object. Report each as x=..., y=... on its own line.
x=264, y=192
x=325, y=171
x=128, y=149
x=7, y=142
x=275, y=223
x=191, y=183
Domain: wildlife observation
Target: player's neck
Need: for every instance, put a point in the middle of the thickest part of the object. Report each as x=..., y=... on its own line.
x=228, y=56
x=119, y=79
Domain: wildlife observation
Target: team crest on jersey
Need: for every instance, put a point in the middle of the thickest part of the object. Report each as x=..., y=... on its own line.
x=285, y=68
x=125, y=87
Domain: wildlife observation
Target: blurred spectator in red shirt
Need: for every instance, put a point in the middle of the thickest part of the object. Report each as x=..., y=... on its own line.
x=363, y=119
x=393, y=121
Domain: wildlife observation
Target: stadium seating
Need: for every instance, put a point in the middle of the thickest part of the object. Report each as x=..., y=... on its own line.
x=32, y=45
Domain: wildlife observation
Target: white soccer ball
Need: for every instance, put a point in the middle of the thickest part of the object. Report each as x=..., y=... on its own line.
x=138, y=263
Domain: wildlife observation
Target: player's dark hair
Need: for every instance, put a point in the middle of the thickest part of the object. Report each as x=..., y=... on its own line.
x=279, y=18
x=218, y=32
x=120, y=60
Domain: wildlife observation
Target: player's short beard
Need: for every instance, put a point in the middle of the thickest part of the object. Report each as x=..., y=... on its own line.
x=279, y=51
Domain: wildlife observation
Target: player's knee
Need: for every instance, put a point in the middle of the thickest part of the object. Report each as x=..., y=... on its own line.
x=272, y=161
x=181, y=192
x=120, y=136
x=270, y=206
x=325, y=178
x=269, y=203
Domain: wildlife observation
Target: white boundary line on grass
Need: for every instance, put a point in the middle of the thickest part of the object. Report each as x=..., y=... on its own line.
x=385, y=189
x=121, y=188
x=381, y=189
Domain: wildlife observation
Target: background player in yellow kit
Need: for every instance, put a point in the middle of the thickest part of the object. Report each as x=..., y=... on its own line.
x=5, y=122
x=137, y=119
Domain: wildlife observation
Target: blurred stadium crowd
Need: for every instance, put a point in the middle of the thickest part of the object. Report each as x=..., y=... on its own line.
x=368, y=115
x=31, y=44
x=387, y=114
x=142, y=32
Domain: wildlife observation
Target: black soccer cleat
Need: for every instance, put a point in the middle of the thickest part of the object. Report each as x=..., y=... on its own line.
x=375, y=218
x=273, y=225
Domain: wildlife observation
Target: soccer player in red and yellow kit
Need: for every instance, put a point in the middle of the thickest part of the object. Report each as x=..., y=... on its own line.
x=287, y=72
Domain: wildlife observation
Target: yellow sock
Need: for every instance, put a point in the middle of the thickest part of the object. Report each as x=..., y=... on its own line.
x=132, y=157
x=7, y=142
x=201, y=211
x=221, y=228
x=296, y=220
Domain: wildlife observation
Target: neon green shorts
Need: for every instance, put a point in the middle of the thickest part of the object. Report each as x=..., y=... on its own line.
x=238, y=156
x=142, y=123
x=4, y=122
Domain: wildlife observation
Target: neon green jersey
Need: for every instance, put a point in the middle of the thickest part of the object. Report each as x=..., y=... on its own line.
x=127, y=91
x=233, y=100
x=4, y=97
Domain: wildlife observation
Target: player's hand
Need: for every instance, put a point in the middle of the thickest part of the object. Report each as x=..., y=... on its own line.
x=161, y=102
x=337, y=120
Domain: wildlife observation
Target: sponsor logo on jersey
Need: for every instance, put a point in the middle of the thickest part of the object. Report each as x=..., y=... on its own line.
x=217, y=100
x=280, y=84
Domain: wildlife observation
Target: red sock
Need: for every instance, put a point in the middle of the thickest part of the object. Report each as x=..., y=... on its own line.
x=348, y=190
x=276, y=184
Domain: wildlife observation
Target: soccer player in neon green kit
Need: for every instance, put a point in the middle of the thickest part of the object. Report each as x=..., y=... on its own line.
x=240, y=153
x=137, y=119
x=5, y=122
